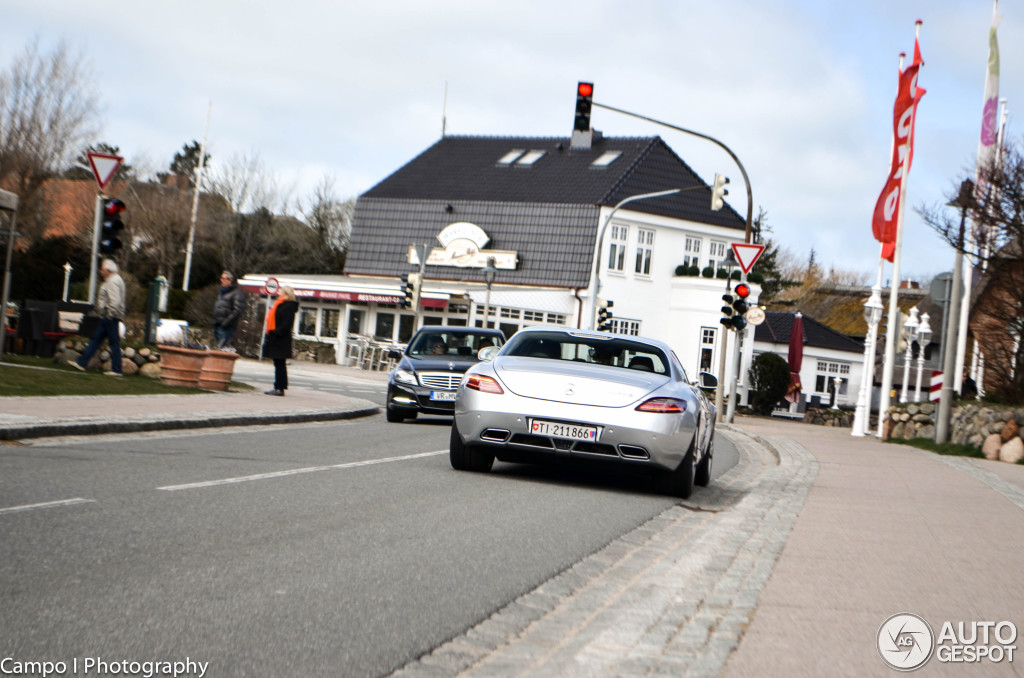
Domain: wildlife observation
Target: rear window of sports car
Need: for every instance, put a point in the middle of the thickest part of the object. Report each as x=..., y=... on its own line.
x=616, y=352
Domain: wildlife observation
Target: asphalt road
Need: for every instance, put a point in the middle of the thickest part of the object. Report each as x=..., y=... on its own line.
x=342, y=549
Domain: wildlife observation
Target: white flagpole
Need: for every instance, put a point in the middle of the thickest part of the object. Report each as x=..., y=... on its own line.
x=195, y=202
x=890, y=334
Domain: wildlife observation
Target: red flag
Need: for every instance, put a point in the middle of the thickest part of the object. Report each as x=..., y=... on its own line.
x=796, y=358
x=883, y=221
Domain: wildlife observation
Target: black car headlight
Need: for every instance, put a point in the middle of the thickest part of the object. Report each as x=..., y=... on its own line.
x=404, y=376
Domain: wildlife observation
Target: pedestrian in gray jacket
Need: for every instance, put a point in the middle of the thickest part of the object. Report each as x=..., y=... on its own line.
x=227, y=311
x=110, y=305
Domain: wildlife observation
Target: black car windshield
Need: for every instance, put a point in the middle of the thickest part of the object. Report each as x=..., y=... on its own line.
x=452, y=343
x=617, y=352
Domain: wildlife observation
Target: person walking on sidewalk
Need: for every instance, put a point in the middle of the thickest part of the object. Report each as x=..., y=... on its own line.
x=110, y=305
x=227, y=311
x=277, y=344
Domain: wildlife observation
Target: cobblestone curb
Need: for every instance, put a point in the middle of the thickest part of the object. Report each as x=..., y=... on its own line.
x=671, y=598
x=1012, y=492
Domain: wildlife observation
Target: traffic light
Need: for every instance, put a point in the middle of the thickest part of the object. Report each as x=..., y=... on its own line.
x=740, y=306
x=410, y=290
x=110, y=225
x=604, y=316
x=735, y=308
x=718, y=192
x=727, y=309
x=584, y=100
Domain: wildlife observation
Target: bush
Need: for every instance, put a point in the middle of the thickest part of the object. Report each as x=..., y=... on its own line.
x=683, y=269
x=755, y=277
x=708, y=272
x=722, y=273
x=769, y=379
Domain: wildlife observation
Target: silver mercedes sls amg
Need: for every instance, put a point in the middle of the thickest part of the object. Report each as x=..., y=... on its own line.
x=555, y=394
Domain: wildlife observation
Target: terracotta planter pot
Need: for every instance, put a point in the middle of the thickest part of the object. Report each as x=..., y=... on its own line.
x=181, y=366
x=217, y=370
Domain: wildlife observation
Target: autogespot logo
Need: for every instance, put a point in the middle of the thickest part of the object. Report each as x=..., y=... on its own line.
x=905, y=642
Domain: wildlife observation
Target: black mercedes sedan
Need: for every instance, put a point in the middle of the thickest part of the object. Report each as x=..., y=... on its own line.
x=431, y=367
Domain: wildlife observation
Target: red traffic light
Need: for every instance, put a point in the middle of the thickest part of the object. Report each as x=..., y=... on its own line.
x=585, y=89
x=743, y=290
x=113, y=206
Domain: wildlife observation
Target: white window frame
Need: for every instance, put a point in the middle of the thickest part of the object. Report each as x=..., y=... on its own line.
x=691, y=253
x=644, y=251
x=717, y=252
x=617, y=248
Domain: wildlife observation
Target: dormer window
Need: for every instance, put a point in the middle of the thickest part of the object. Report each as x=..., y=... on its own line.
x=511, y=156
x=606, y=158
x=530, y=157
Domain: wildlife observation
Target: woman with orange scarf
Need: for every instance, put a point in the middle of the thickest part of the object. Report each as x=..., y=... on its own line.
x=277, y=344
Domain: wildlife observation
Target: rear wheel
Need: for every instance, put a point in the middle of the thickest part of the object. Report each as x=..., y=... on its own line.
x=702, y=476
x=679, y=483
x=467, y=457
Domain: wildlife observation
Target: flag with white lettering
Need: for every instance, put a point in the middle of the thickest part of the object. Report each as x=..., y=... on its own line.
x=884, y=219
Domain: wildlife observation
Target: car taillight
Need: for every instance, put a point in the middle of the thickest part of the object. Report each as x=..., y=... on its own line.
x=663, y=405
x=478, y=382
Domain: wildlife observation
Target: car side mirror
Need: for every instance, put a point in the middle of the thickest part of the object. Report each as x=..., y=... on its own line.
x=707, y=381
x=487, y=353
x=394, y=354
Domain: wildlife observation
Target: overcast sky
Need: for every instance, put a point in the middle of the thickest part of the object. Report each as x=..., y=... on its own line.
x=801, y=90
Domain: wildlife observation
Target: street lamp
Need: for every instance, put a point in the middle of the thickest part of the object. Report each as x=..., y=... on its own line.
x=872, y=316
x=600, y=242
x=909, y=335
x=490, y=271
x=836, y=381
x=924, y=336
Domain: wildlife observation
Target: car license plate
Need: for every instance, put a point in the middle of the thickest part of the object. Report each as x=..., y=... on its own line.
x=443, y=395
x=560, y=430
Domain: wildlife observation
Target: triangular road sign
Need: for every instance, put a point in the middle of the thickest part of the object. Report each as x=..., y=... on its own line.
x=103, y=167
x=747, y=255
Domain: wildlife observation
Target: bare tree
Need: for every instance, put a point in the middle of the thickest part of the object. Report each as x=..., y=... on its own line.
x=48, y=114
x=997, y=247
x=331, y=219
x=247, y=185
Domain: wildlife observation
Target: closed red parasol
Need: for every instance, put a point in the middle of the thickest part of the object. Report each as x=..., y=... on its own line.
x=796, y=358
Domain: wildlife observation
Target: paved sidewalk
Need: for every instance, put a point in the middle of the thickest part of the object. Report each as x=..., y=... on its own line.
x=22, y=418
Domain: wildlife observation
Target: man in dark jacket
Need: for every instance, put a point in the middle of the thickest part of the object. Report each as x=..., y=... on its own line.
x=227, y=311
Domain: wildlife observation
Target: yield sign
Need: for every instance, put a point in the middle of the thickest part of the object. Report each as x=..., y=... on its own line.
x=747, y=255
x=104, y=166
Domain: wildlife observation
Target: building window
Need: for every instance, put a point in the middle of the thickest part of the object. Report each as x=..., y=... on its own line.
x=307, y=321
x=617, y=249
x=556, y=318
x=716, y=254
x=385, y=329
x=355, y=321
x=707, y=348
x=533, y=316
x=509, y=312
x=329, y=322
x=406, y=327
x=623, y=326
x=644, y=250
x=691, y=254
x=824, y=382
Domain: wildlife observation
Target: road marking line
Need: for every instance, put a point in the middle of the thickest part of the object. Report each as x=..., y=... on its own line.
x=292, y=472
x=48, y=504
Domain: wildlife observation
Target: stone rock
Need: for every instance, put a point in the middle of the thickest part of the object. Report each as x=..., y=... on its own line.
x=904, y=417
x=1011, y=430
x=926, y=431
x=129, y=367
x=990, y=448
x=921, y=418
x=1012, y=451
x=928, y=408
x=151, y=370
x=145, y=352
x=128, y=353
x=913, y=409
x=896, y=431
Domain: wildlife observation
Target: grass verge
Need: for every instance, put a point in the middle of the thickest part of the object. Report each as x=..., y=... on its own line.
x=949, y=449
x=30, y=376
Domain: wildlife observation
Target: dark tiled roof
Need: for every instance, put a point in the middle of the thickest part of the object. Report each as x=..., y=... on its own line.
x=546, y=211
x=778, y=326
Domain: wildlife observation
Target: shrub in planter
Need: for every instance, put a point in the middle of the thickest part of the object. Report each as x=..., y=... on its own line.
x=708, y=272
x=722, y=273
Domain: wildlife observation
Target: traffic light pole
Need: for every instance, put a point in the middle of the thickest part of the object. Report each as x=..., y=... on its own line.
x=743, y=171
x=93, y=268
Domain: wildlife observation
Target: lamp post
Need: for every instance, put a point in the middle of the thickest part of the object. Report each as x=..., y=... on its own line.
x=964, y=201
x=909, y=335
x=600, y=243
x=924, y=336
x=872, y=316
x=490, y=271
x=836, y=381
x=67, y=277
